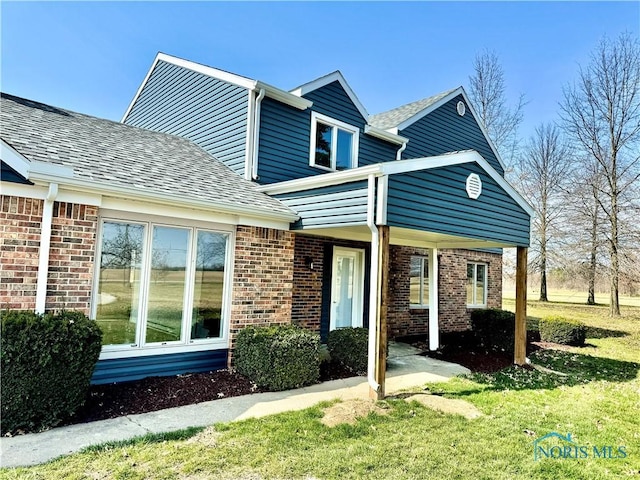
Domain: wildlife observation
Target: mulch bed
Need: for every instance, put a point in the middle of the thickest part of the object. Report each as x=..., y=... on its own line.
x=157, y=393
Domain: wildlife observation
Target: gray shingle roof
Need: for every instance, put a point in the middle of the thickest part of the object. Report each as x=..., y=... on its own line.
x=393, y=118
x=120, y=155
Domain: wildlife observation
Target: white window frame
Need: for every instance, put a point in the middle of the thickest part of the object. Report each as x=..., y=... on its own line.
x=424, y=259
x=185, y=344
x=336, y=125
x=475, y=284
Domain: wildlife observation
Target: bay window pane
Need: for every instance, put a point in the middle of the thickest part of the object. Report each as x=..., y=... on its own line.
x=324, y=135
x=344, y=150
x=167, y=284
x=208, y=286
x=119, y=282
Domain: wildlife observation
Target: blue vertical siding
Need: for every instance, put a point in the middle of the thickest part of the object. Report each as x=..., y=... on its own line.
x=207, y=111
x=285, y=135
x=436, y=201
x=443, y=131
x=136, y=368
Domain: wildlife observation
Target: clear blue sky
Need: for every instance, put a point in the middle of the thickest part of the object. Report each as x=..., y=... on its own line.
x=91, y=57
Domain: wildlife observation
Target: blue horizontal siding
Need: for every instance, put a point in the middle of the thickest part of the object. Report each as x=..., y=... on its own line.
x=443, y=131
x=338, y=205
x=285, y=135
x=436, y=201
x=207, y=111
x=136, y=368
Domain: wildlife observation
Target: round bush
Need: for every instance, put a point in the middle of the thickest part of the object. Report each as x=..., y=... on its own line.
x=349, y=346
x=494, y=328
x=47, y=362
x=562, y=330
x=279, y=357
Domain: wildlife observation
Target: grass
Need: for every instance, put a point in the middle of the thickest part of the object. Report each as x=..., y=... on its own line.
x=595, y=397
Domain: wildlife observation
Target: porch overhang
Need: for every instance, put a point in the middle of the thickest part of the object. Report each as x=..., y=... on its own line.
x=455, y=200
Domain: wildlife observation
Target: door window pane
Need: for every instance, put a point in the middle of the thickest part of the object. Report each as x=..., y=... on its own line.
x=167, y=284
x=324, y=135
x=119, y=282
x=208, y=286
x=344, y=291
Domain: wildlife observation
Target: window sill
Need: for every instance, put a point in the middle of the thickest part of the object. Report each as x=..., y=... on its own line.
x=322, y=167
x=418, y=307
x=475, y=307
x=198, y=346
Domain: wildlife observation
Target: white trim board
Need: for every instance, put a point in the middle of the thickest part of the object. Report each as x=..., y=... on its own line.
x=326, y=80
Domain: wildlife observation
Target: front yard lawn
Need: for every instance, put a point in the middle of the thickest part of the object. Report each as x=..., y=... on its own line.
x=592, y=393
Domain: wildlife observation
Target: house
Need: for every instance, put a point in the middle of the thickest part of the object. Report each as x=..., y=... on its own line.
x=220, y=201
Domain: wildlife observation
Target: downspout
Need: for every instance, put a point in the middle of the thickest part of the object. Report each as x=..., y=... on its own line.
x=373, y=284
x=45, y=245
x=256, y=135
x=400, y=150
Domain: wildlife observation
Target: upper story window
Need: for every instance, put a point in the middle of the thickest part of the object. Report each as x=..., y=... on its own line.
x=419, y=282
x=334, y=144
x=476, y=285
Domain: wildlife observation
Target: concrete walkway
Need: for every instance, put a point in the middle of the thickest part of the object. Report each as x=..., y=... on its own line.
x=406, y=369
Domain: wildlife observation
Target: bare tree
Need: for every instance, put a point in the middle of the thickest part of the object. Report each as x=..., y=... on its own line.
x=602, y=112
x=487, y=93
x=545, y=167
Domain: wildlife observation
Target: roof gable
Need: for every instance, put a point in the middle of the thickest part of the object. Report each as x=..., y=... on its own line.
x=400, y=118
x=326, y=80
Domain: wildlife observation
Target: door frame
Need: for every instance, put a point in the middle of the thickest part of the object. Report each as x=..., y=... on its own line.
x=358, y=292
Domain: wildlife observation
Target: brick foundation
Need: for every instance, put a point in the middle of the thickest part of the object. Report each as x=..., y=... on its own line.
x=262, y=279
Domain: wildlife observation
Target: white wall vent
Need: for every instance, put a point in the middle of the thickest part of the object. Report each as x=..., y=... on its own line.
x=474, y=186
x=461, y=108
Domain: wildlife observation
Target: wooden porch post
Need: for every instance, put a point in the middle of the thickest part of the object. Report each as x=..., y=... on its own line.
x=381, y=320
x=521, y=307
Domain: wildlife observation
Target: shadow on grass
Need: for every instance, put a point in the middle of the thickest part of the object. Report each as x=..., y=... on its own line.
x=559, y=368
x=595, y=332
x=183, y=434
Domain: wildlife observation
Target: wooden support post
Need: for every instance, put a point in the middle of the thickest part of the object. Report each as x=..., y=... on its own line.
x=383, y=303
x=521, y=307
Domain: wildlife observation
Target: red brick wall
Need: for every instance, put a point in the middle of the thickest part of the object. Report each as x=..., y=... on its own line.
x=71, y=257
x=262, y=278
x=452, y=272
x=306, y=310
x=20, y=220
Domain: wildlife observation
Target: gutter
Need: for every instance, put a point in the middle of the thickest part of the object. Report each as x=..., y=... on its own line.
x=400, y=150
x=88, y=186
x=373, y=285
x=45, y=247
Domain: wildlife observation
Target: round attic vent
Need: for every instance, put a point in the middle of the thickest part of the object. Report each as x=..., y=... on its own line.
x=474, y=186
x=461, y=108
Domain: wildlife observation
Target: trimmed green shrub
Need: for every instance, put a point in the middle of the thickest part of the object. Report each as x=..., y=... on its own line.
x=495, y=329
x=47, y=362
x=349, y=346
x=562, y=330
x=279, y=357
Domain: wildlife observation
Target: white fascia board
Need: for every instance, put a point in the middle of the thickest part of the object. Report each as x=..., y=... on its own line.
x=385, y=135
x=326, y=80
x=14, y=159
x=196, y=67
x=426, y=111
x=283, y=96
x=322, y=180
x=102, y=188
x=40, y=192
x=441, y=102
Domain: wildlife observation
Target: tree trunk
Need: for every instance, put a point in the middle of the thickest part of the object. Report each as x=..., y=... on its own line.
x=591, y=298
x=543, y=249
x=615, y=266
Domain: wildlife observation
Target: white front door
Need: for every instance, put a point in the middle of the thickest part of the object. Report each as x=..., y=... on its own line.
x=347, y=288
